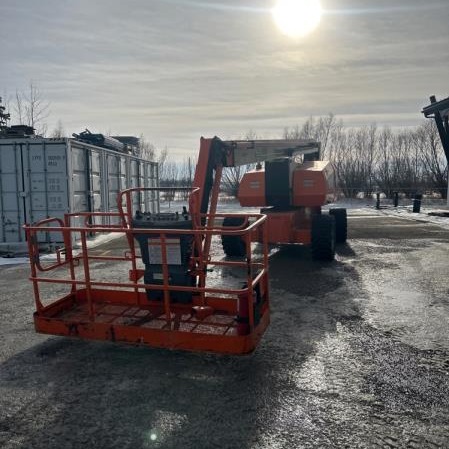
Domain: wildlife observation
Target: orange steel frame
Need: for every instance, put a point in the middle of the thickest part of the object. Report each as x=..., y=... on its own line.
x=121, y=311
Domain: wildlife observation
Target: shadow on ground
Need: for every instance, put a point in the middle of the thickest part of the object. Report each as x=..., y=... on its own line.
x=66, y=393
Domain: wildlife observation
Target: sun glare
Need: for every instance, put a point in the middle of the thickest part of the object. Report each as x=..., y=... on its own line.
x=296, y=18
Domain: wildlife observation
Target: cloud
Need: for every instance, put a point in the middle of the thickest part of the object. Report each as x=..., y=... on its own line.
x=178, y=69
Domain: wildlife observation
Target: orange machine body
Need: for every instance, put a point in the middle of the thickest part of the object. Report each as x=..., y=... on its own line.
x=313, y=184
x=310, y=185
x=252, y=189
x=289, y=226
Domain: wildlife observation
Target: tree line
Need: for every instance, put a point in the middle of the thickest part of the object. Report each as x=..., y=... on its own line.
x=366, y=159
x=372, y=159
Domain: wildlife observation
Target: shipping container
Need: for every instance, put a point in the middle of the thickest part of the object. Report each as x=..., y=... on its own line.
x=41, y=178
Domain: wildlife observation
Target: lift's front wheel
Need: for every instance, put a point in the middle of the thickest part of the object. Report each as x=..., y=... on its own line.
x=341, y=224
x=233, y=245
x=323, y=237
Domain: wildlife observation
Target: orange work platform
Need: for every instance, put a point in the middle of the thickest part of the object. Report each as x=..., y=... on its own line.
x=122, y=321
x=223, y=309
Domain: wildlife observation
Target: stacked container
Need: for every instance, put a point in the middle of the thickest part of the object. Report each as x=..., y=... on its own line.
x=41, y=178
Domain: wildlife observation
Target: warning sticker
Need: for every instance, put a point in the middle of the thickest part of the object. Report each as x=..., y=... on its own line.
x=172, y=247
x=254, y=185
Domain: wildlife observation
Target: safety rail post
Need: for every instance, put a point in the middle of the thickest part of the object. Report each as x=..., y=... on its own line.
x=210, y=221
x=87, y=279
x=132, y=246
x=31, y=241
x=69, y=250
x=265, y=258
x=165, y=276
x=251, y=292
x=126, y=223
x=198, y=240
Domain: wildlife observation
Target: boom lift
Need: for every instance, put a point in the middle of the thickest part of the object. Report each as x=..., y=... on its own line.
x=290, y=189
x=169, y=299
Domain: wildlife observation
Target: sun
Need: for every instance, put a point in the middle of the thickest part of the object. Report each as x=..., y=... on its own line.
x=296, y=18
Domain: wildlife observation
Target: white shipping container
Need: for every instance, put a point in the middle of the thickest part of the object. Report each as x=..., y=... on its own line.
x=41, y=178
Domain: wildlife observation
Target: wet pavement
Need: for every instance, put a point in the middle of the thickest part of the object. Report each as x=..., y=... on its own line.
x=357, y=355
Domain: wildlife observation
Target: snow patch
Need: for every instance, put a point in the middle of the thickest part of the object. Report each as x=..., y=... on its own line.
x=13, y=260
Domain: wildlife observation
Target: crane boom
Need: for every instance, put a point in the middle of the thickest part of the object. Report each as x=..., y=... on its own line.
x=216, y=153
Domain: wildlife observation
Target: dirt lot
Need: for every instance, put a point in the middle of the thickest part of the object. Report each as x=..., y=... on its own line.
x=357, y=355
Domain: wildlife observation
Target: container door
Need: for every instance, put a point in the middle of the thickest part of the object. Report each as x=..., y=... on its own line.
x=112, y=181
x=95, y=183
x=151, y=180
x=134, y=173
x=45, y=168
x=80, y=179
x=12, y=194
x=113, y=165
x=134, y=165
x=123, y=174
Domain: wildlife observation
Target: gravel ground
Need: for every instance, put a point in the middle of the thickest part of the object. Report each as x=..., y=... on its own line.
x=357, y=355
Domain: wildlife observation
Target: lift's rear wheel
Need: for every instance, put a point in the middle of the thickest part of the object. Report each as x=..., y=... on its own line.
x=341, y=224
x=323, y=237
x=233, y=245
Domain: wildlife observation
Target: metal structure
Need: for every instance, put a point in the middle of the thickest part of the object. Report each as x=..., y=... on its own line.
x=439, y=111
x=100, y=140
x=169, y=300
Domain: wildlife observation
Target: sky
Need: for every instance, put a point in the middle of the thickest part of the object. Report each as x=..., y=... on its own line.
x=175, y=70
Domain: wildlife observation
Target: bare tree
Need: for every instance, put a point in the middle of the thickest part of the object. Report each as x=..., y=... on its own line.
x=36, y=109
x=169, y=177
x=433, y=158
x=186, y=173
x=32, y=109
x=232, y=176
x=4, y=115
x=367, y=159
x=146, y=149
x=354, y=161
x=320, y=129
x=19, y=109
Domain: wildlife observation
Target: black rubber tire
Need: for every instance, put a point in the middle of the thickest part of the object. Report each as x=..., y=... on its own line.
x=233, y=246
x=323, y=237
x=341, y=224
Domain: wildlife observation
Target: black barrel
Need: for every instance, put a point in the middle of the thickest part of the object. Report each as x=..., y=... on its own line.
x=417, y=203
